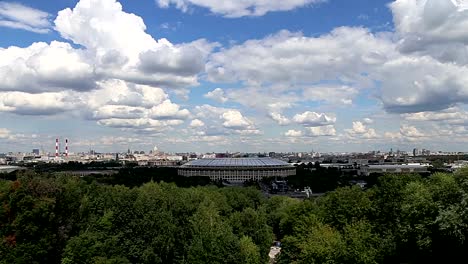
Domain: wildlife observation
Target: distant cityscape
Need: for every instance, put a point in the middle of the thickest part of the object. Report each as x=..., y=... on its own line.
x=157, y=157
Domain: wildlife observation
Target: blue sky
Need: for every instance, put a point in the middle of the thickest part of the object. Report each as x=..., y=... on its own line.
x=249, y=75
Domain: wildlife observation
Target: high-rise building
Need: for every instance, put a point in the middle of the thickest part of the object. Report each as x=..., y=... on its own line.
x=417, y=152
x=36, y=151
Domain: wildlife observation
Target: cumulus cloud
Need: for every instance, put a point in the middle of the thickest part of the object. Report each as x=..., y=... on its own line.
x=313, y=119
x=449, y=115
x=432, y=27
x=407, y=81
x=169, y=110
x=265, y=99
x=280, y=119
x=118, y=111
x=336, y=95
x=123, y=50
x=360, y=130
x=411, y=132
x=37, y=104
x=368, y=121
x=124, y=105
x=18, y=16
x=412, y=84
x=234, y=9
x=217, y=95
x=5, y=133
x=210, y=112
x=224, y=121
x=45, y=67
x=321, y=131
x=196, y=123
x=114, y=50
x=235, y=120
x=116, y=74
x=288, y=57
x=140, y=124
x=293, y=133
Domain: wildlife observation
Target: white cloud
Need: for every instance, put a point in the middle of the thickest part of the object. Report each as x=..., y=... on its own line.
x=210, y=112
x=337, y=95
x=5, y=133
x=415, y=84
x=406, y=81
x=293, y=133
x=18, y=16
x=368, y=121
x=118, y=76
x=140, y=123
x=37, y=104
x=118, y=92
x=122, y=49
x=235, y=8
x=274, y=98
x=432, y=27
x=411, y=132
x=45, y=67
x=197, y=123
x=313, y=119
x=224, y=121
x=114, y=48
x=217, y=95
x=288, y=57
x=321, y=131
x=249, y=131
x=280, y=119
x=360, y=130
x=118, y=111
x=124, y=105
x=392, y=135
x=168, y=110
x=233, y=119
x=451, y=115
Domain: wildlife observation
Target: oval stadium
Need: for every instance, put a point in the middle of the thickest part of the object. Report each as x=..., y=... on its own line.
x=237, y=169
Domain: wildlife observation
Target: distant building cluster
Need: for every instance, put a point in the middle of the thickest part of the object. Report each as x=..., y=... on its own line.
x=239, y=167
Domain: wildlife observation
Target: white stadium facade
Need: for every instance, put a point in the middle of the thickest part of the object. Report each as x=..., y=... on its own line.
x=237, y=169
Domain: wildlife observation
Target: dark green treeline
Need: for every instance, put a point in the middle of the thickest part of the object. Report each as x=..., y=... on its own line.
x=63, y=219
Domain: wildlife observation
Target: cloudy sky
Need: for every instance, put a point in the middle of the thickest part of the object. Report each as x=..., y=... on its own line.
x=234, y=75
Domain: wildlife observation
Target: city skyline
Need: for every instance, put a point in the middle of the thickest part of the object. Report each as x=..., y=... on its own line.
x=247, y=76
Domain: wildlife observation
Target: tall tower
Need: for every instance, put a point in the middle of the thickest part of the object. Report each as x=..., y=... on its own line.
x=66, y=147
x=56, y=147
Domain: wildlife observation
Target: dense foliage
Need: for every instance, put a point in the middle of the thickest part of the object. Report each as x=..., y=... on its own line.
x=47, y=218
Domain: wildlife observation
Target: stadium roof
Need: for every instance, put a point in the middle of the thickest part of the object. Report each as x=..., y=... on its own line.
x=237, y=162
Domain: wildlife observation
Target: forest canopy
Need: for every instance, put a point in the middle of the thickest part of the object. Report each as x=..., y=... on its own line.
x=46, y=218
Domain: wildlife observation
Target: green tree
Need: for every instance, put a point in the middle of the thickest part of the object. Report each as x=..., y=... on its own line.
x=248, y=251
x=344, y=206
x=313, y=242
x=212, y=239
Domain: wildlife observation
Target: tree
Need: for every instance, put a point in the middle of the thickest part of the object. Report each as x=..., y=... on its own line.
x=344, y=206
x=249, y=252
x=313, y=242
x=212, y=239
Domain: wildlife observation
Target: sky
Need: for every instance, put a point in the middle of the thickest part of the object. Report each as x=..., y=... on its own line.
x=234, y=75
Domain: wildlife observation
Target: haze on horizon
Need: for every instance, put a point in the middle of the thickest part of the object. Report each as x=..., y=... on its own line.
x=233, y=75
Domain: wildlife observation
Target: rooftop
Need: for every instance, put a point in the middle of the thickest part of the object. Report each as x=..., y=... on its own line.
x=236, y=162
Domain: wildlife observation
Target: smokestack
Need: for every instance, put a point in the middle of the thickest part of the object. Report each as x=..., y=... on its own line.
x=56, y=147
x=66, y=147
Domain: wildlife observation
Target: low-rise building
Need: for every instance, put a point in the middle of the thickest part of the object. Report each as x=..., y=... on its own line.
x=393, y=168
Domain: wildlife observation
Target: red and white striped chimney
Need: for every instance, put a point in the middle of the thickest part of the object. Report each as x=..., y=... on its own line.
x=56, y=147
x=66, y=147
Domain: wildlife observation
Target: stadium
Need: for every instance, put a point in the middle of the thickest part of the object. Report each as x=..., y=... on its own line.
x=237, y=169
